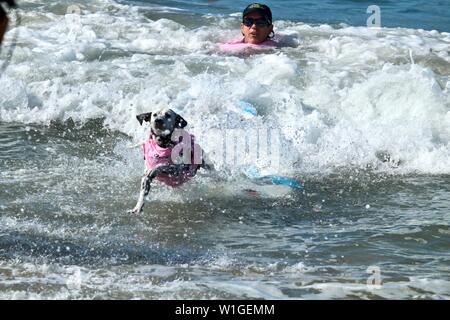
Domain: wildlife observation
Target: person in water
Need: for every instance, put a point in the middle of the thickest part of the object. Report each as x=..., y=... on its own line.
x=256, y=25
x=256, y=28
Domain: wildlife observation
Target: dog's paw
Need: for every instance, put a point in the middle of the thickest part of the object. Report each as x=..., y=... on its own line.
x=135, y=210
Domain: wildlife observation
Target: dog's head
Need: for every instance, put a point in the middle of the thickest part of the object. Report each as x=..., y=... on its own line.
x=162, y=123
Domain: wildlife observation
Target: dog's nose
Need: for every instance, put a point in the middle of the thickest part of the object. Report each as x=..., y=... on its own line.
x=158, y=121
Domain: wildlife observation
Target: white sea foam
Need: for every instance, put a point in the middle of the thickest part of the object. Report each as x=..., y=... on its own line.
x=415, y=288
x=183, y=281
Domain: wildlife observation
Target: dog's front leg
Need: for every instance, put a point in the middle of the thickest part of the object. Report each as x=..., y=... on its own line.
x=145, y=189
x=173, y=169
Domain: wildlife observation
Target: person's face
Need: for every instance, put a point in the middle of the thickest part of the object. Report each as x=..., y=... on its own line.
x=255, y=34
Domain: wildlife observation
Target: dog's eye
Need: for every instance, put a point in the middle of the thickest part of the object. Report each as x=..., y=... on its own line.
x=167, y=115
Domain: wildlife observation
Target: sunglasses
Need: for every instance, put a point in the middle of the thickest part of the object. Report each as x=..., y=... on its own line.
x=259, y=22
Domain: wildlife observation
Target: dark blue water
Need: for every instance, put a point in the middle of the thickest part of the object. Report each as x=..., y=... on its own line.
x=416, y=14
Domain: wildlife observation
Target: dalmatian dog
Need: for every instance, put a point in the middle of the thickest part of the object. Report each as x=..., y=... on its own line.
x=170, y=153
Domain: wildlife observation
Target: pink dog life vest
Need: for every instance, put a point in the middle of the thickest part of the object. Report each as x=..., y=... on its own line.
x=239, y=44
x=156, y=156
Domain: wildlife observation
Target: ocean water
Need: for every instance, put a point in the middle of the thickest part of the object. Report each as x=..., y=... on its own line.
x=416, y=14
x=363, y=116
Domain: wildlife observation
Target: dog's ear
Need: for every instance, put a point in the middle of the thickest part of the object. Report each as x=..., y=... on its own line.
x=180, y=122
x=144, y=117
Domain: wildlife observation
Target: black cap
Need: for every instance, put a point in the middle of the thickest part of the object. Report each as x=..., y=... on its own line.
x=260, y=8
